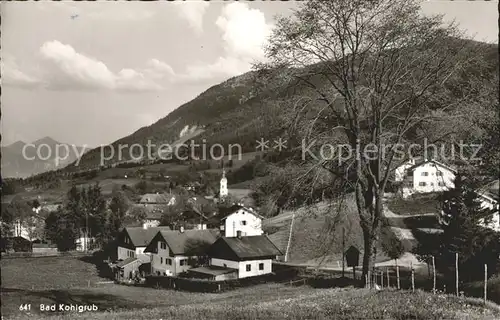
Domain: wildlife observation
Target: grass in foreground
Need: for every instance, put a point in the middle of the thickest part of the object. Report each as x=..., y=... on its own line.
x=48, y=273
x=312, y=304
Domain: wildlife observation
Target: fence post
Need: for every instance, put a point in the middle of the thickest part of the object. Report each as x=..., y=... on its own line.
x=433, y=275
x=456, y=272
x=485, y=283
x=388, y=281
x=397, y=274
x=369, y=279
x=88, y=283
x=382, y=279
x=412, y=277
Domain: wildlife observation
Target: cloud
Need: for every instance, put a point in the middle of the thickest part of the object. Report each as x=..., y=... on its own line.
x=160, y=68
x=239, y=38
x=68, y=69
x=192, y=12
x=11, y=75
x=244, y=34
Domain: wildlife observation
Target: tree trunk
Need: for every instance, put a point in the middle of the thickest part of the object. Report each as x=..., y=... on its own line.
x=370, y=215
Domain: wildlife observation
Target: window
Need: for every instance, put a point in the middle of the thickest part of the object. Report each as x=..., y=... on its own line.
x=439, y=174
x=425, y=174
x=183, y=262
x=249, y=267
x=261, y=266
x=432, y=184
x=422, y=184
x=441, y=184
x=161, y=260
x=243, y=223
x=163, y=245
x=169, y=262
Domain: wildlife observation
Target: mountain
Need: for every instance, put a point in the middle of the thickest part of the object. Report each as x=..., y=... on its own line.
x=20, y=159
x=240, y=110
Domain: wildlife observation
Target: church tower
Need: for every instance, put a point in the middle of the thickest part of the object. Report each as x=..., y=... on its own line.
x=223, y=185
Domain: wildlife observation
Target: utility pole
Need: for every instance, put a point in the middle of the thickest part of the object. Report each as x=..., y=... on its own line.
x=343, y=252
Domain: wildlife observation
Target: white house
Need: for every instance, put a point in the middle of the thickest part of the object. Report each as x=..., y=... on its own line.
x=425, y=176
x=21, y=230
x=176, y=251
x=239, y=220
x=245, y=256
x=84, y=243
x=133, y=240
x=489, y=200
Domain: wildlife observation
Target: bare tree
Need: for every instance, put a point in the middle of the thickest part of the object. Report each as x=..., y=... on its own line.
x=371, y=76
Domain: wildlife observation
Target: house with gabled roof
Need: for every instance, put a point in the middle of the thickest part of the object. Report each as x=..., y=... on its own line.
x=132, y=241
x=154, y=205
x=176, y=251
x=241, y=257
x=239, y=220
x=157, y=198
x=489, y=197
x=425, y=176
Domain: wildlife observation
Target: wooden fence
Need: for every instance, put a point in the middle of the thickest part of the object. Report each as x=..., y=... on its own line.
x=402, y=278
x=289, y=276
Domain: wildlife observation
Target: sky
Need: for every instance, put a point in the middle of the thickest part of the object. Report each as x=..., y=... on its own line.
x=89, y=73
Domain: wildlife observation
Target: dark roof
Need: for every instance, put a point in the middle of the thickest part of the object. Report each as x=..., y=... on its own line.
x=249, y=247
x=491, y=189
x=125, y=262
x=226, y=212
x=437, y=163
x=156, y=198
x=192, y=216
x=212, y=270
x=188, y=241
x=141, y=237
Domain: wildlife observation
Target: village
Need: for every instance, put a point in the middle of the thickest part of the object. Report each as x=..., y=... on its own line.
x=228, y=243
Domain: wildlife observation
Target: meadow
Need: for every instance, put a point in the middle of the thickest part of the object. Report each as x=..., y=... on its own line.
x=264, y=302
x=74, y=280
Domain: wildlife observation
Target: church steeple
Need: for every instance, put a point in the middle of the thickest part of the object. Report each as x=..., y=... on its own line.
x=223, y=185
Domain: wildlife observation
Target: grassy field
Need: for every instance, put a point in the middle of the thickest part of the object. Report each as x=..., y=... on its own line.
x=45, y=273
x=316, y=236
x=268, y=302
x=416, y=204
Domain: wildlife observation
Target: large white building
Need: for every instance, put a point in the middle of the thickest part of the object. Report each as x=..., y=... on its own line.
x=176, y=251
x=424, y=177
x=239, y=220
x=243, y=256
